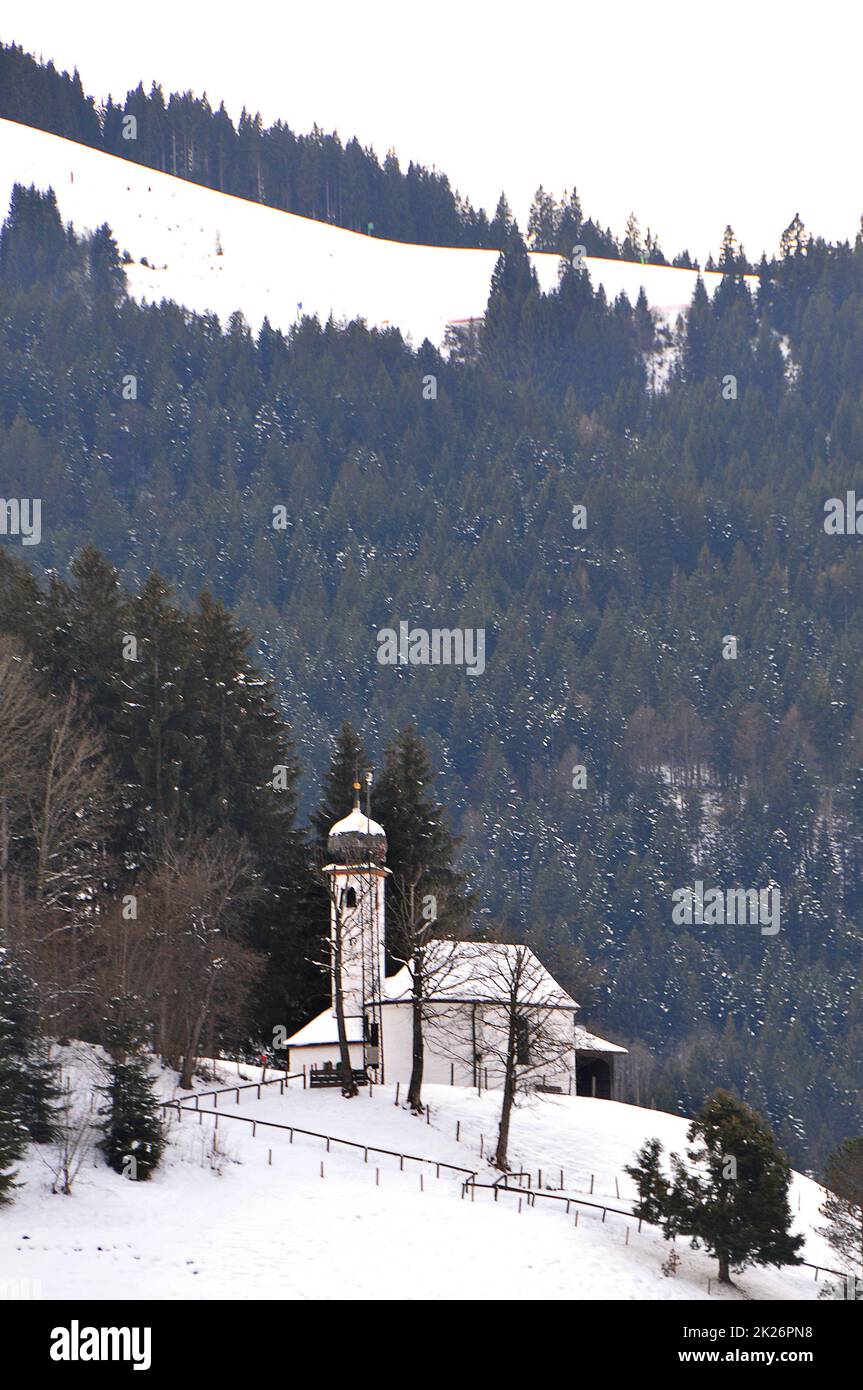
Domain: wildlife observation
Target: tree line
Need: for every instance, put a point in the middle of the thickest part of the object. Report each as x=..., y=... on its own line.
x=316, y=175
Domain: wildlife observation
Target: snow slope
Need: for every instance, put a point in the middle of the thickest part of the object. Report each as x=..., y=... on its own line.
x=269, y=1225
x=271, y=261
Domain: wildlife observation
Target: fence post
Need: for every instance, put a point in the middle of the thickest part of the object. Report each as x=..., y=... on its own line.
x=398, y=1084
x=238, y=1095
x=457, y=1130
x=269, y=1158
x=591, y=1184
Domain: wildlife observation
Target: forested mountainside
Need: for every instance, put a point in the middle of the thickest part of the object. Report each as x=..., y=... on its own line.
x=315, y=174
x=335, y=482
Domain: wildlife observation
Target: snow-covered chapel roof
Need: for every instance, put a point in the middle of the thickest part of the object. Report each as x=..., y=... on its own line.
x=481, y=972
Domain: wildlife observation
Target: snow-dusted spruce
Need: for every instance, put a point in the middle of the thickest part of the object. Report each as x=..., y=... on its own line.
x=28, y=1087
x=132, y=1128
x=13, y=1136
x=731, y=1196
x=843, y=1207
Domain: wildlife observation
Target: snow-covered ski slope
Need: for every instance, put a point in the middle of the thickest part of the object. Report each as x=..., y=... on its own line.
x=271, y=1222
x=272, y=262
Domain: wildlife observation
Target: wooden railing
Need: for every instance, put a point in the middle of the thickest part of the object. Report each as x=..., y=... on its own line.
x=329, y=1139
x=281, y=1081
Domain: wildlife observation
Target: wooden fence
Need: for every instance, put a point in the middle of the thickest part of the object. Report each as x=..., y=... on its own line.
x=329, y=1139
x=281, y=1081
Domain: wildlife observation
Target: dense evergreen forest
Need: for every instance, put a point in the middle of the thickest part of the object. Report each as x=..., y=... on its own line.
x=317, y=488
x=315, y=175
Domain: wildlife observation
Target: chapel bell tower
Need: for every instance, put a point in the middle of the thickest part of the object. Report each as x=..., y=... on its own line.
x=357, y=849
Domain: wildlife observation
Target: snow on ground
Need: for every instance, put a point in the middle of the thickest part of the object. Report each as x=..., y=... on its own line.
x=273, y=262
x=256, y=1219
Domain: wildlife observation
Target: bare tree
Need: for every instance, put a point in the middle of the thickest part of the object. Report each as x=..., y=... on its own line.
x=69, y=807
x=430, y=962
x=527, y=1021
x=23, y=721
x=54, y=812
x=74, y=1128
x=333, y=961
x=190, y=911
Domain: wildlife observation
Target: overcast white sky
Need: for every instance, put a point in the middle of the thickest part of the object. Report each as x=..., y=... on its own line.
x=691, y=114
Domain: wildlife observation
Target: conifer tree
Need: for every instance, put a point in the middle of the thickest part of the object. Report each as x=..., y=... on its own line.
x=347, y=765
x=651, y=1182
x=132, y=1127
x=13, y=1135
x=731, y=1195
x=843, y=1205
x=420, y=846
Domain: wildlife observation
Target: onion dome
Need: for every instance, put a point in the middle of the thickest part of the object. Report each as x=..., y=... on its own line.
x=357, y=840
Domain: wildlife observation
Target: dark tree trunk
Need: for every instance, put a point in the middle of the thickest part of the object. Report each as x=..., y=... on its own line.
x=724, y=1271
x=349, y=1086
x=4, y=865
x=416, y=1083
x=501, y=1159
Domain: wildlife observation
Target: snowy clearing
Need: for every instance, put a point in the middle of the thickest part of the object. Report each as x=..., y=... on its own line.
x=257, y=1220
x=272, y=262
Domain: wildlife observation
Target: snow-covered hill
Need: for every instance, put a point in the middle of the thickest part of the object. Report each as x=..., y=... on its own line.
x=261, y=1217
x=275, y=264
